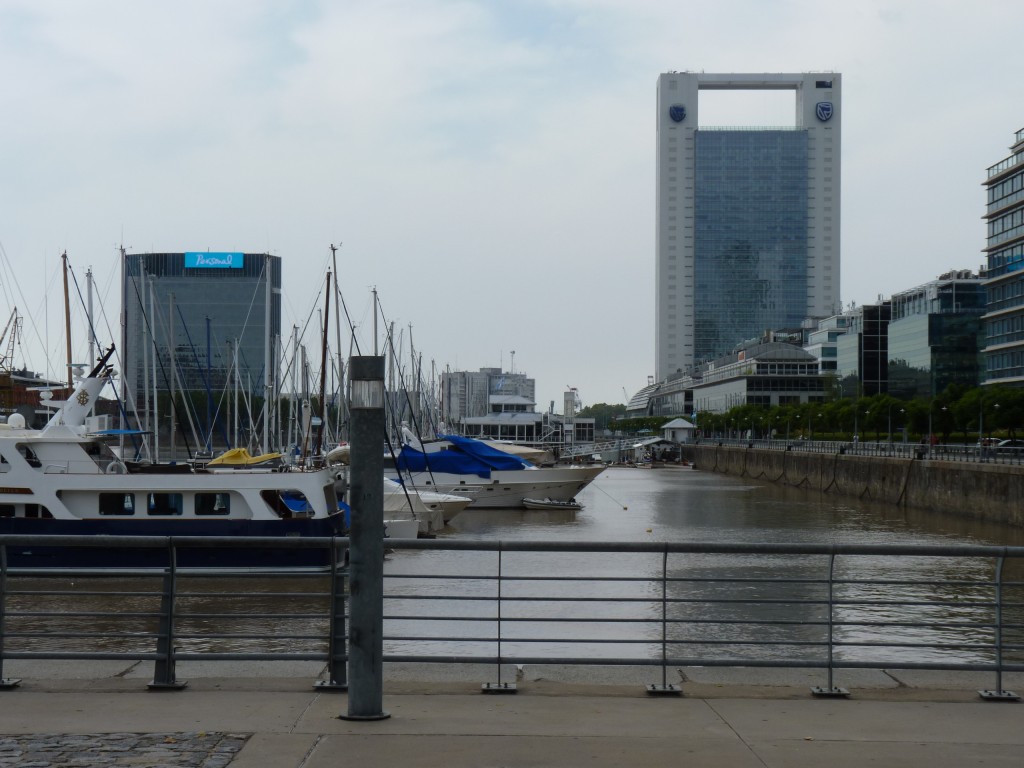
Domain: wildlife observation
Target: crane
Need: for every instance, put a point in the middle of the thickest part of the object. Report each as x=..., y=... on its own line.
x=13, y=325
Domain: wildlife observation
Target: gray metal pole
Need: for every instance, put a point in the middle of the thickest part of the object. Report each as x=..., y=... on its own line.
x=366, y=559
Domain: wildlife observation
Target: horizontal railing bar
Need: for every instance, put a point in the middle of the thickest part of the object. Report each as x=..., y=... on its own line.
x=505, y=547
x=83, y=614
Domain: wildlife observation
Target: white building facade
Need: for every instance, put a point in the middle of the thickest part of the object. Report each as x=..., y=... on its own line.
x=748, y=219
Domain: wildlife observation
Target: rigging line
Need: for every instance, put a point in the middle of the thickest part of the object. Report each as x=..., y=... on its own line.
x=160, y=362
x=121, y=405
x=25, y=303
x=389, y=337
x=198, y=363
x=348, y=319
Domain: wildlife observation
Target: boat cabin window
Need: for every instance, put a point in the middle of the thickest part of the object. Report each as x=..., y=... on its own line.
x=6, y=510
x=213, y=504
x=37, y=511
x=117, y=503
x=164, y=504
x=5, y=465
x=287, y=503
x=104, y=456
x=29, y=455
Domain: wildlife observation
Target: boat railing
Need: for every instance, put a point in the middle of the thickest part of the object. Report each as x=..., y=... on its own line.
x=657, y=605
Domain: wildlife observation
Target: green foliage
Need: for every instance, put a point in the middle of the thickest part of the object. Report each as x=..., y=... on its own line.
x=953, y=415
x=602, y=414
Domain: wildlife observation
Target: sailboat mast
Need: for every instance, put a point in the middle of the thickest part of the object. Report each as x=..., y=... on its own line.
x=67, y=319
x=92, y=332
x=268, y=374
x=323, y=367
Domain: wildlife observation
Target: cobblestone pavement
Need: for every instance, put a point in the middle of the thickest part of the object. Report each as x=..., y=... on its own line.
x=138, y=750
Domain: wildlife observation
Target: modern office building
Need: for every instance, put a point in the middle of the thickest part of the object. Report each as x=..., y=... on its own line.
x=822, y=341
x=1004, y=316
x=748, y=218
x=207, y=319
x=936, y=335
x=862, y=353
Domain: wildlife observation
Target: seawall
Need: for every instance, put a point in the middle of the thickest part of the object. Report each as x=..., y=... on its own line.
x=993, y=492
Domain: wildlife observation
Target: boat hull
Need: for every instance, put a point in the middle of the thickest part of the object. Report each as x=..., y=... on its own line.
x=247, y=558
x=506, y=490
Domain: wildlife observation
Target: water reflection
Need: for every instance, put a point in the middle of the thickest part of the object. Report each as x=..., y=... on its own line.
x=939, y=609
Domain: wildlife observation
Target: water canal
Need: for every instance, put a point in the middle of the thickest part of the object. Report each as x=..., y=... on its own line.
x=623, y=505
x=685, y=505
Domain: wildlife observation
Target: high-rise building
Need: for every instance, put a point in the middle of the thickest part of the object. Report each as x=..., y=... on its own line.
x=210, y=320
x=1004, y=318
x=747, y=218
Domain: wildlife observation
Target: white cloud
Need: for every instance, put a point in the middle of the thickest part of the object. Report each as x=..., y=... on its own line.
x=488, y=166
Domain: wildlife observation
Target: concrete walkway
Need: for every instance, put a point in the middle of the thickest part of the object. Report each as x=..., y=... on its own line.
x=269, y=715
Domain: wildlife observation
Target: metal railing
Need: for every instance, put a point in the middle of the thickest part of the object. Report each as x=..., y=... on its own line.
x=988, y=454
x=658, y=605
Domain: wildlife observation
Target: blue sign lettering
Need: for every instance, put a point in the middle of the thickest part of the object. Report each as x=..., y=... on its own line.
x=211, y=260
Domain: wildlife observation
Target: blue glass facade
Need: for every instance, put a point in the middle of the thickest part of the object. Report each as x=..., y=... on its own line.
x=750, y=235
x=214, y=309
x=1004, y=318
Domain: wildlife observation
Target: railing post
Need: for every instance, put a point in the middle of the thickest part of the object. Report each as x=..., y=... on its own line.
x=5, y=682
x=830, y=690
x=999, y=694
x=163, y=668
x=499, y=687
x=337, y=651
x=665, y=687
x=366, y=556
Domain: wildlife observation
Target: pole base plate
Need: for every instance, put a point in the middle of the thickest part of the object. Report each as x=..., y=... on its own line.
x=663, y=690
x=498, y=688
x=830, y=692
x=999, y=695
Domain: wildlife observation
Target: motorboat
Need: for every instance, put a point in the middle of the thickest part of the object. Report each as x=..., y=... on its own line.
x=490, y=477
x=63, y=480
x=551, y=504
x=432, y=510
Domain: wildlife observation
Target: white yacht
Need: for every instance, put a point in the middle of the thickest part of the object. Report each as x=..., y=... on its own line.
x=62, y=480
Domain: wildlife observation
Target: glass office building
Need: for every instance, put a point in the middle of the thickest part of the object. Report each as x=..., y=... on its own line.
x=750, y=236
x=748, y=218
x=212, y=310
x=1004, y=316
x=862, y=353
x=936, y=336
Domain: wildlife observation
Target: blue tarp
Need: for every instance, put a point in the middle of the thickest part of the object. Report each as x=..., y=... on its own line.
x=465, y=456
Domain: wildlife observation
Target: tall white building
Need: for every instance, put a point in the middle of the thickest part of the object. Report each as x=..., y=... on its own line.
x=747, y=218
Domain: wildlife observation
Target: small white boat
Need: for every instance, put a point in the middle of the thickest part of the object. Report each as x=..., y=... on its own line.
x=489, y=477
x=551, y=504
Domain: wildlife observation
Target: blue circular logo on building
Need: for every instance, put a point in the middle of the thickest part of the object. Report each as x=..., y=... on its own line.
x=677, y=112
x=823, y=109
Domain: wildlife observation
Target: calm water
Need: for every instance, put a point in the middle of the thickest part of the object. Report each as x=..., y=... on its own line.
x=690, y=505
x=684, y=505
x=622, y=505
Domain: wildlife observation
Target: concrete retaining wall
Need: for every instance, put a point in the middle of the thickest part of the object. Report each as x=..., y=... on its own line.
x=993, y=492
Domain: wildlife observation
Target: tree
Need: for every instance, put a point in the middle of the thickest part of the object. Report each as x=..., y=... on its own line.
x=602, y=414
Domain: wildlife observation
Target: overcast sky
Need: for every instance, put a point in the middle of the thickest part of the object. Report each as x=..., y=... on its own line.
x=487, y=166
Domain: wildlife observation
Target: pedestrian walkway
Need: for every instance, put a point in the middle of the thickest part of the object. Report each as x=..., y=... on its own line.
x=251, y=715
